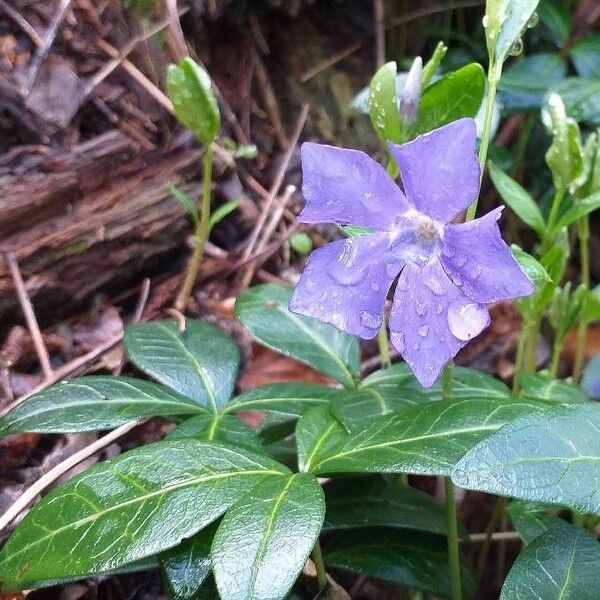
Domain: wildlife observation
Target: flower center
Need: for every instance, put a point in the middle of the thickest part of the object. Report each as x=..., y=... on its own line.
x=426, y=231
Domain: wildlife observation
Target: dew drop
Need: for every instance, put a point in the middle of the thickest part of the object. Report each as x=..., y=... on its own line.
x=516, y=48
x=369, y=319
x=533, y=21
x=423, y=330
x=435, y=286
x=439, y=309
x=378, y=86
x=375, y=287
x=397, y=339
x=466, y=320
x=421, y=308
x=416, y=346
x=485, y=21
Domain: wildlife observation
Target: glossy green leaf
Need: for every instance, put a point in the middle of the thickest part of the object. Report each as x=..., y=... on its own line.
x=263, y=311
x=457, y=94
x=135, y=505
x=525, y=83
x=555, y=15
x=92, y=403
x=406, y=558
x=531, y=267
x=531, y=519
x=285, y=399
x=383, y=104
x=186, y=202
x=218, y=428
x=190, y=90
x=543, y=388
x=313, y=430
x=200, y=362
x=264, y=540
x=186, y=567
x=585, y=54
x=427, y=439
x=504, y=22
x=518, y=198
x=579, y=210
x=552, y=456
x=581, y=96
x=433, y=64
x=560, y=564
x=374, y=502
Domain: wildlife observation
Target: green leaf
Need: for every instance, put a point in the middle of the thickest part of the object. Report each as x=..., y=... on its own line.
x=264, y=540
x=190, y=90
x=504, y=22
x=187, y=566
x=519, y=199
x=457, y=94
x=581, y=96
x=552, y=456
x=585, y=54
x=373, y=502
x=221, y=212
x=565, y=155
x=301, y=243
x=433, y=64
x=560, y=564
x=218, y=428
x=406, y=558
x=531, y=267
x=579, y=210
x=525, y=83
x=531, y=519
x=285, y=399
x=427, y=439
x=383, y=104
x=186, y=202
x=135, y=505
x=200, y=362
x=555, y=15
x=92, y=403
x=263, y=311
x=547, y=389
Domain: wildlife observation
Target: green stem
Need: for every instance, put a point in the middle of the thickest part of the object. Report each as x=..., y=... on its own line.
x=532, y=333
x=317, y=556
x=552, y=218
x=384, y=347
x=493, y=78
x=556, y=354
x=202, y=232
x=583, y=230
x=519, y=358
x=452, y=532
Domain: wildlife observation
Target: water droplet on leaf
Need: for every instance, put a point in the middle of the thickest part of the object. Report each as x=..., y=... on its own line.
x=516, y=48
x=533, y=21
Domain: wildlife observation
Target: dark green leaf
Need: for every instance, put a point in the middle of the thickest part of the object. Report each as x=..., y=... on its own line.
x=383, y=104
x=551, y=456
x=186, y=567
x=560, y=564
x=263, y=311
x=264, y=540
x=581, y=96
x=585, y=54
x=135, y=505
x=92, y=403
x=427, y=439
x=285, y=399
x=519, y=199
x=555, y=15
x=591, y=305
x=190, y=90
x=201, y=362
x=547, y=389
x=455, y=95
x=373, y=502
x=531, y=519
x=218, y=428
x=579, y=210
x=525, y=83
x=408, y=559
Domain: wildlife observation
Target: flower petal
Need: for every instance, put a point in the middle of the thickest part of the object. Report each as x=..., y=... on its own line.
x=345, y=283
x=348, y=187
x=431, y=320
x=477, y=259
x=440, y=170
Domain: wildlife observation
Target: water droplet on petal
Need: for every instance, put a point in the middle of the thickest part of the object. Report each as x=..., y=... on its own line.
x=423, y=330
x=375, y=287
x=466, y=320
x=421, y=308
x=439, y=309
x=397, y=339
x=416, y=346
x=369, y=319
x=435, y=286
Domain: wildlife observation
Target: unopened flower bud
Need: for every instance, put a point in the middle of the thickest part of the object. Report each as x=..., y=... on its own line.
x=411, y=94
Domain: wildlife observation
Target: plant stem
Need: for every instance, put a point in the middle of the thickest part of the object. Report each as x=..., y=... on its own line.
x=493, y=78
x=519, y=358
x=382, y=342
x=202, y=232
x=552, y=218
x=532, y=333
x=452, y=532
x=583, y=230
x=317, y=556
x=556, y=353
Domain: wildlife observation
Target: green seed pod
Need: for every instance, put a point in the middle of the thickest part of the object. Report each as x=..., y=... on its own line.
x=190, y=89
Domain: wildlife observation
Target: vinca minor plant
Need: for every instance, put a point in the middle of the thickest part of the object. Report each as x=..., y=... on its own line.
x=322, y=484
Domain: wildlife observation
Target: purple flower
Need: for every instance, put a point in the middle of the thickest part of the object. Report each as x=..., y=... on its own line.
x=446, y=273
